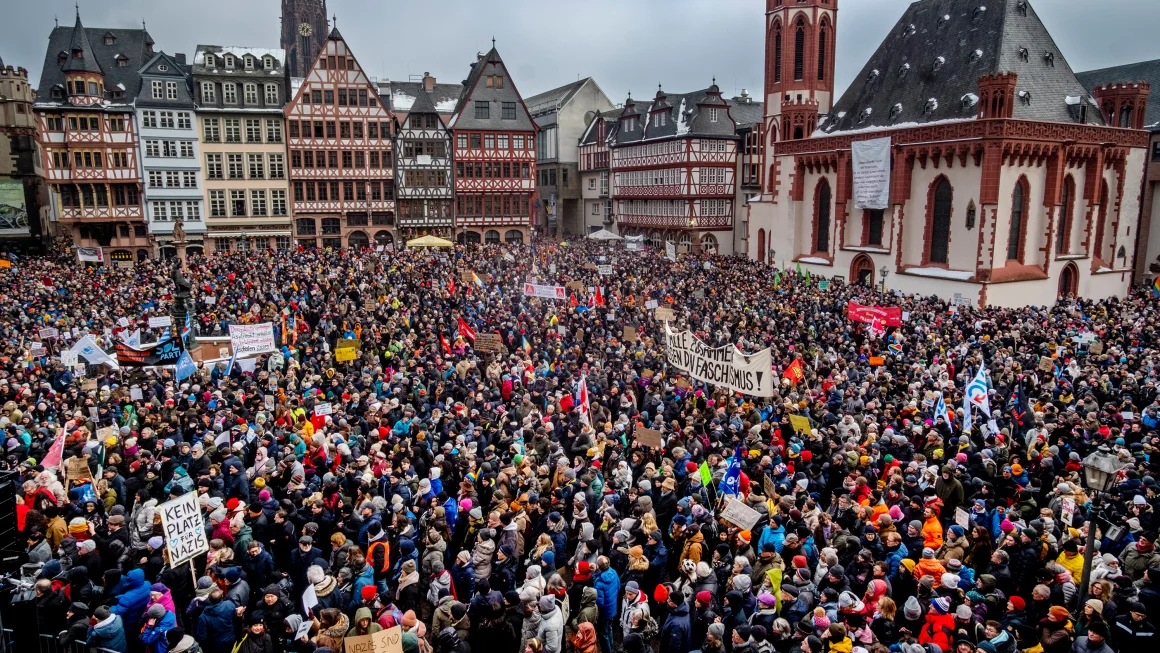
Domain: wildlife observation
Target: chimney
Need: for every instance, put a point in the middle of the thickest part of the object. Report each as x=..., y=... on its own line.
x=428, y=81
x=179, y=58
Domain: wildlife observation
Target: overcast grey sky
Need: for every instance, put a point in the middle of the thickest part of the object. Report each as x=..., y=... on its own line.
x=625, y=44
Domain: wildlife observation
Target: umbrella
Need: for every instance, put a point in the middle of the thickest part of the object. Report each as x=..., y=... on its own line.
x=604, y=234
x=430, y=241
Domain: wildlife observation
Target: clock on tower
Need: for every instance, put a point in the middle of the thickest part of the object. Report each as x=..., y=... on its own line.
x=304, y=29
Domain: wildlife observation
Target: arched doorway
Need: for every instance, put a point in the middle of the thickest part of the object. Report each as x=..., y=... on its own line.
x=709, y=244
x=384, y=238
x=513, y=236
x=761, y=246
x=862, y=271
x=357, y=240
x=1069, y=281
x=491, y=237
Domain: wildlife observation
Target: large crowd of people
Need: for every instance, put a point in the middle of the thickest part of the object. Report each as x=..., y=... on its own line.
x=502, y=501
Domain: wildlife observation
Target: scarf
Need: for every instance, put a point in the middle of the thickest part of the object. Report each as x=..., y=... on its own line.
x=406, y=581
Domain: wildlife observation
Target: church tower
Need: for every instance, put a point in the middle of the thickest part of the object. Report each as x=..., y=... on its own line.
x=799, y=65
x=304, y=30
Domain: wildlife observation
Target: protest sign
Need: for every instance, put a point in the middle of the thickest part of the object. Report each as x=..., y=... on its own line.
x=544, y=292
x=726, y=366
x=1046, y=364
x=671, y=250
x=962, y=518
x=699, y=294
x=629, y=334
x=871, y=164
x=509, y=257
x=68, y=358
x=738, y=513
x=604, y=270
x=664, y=314
x=184, y=529
x=135, y=393
x=1096, y=348
x=47, y=333
x=649, y=438
x=77, y=468
x=651, y=304
x=488, y=342
x=824, y=284
x=36, y=350
x=888, y=316
x=268, y=402
x=160, y=322
x=252, y=339
x=90, y=255
x=108, y=431
x=343, y=354
x=575, y=285
x=323, y=409
x=89, y=385
x=877, y=361
x=1067, y=511
x=800, y=423
x=348, y=342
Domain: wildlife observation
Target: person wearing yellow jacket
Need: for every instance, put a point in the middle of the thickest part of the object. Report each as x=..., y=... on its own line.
x=1071, y=559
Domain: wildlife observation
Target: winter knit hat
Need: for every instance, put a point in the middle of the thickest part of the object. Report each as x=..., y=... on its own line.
x=911, y=609
x=941, y=605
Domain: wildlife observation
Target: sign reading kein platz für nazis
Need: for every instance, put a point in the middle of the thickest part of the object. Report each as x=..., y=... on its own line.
x=184, y=529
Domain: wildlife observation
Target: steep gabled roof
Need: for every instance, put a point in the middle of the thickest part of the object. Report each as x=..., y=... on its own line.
x=928, y=67
x=1143, y=71
x=591, y=133
x=87, y=62
x=132, y=44
x=473, y=91
x=687, y=115
x=443, y=97
x=557, y=97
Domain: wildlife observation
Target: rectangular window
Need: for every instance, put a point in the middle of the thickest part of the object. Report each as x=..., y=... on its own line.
x=482, y=110
x=278, y=202
x=217, y=204
x=316, y=97
x=330, y=131
x=209, y=127
x=509, y=110
x=360, y=160
x=489, y=142
x=253, y=130
x=277, y=166
x=188, y=179
x=213, y=166
x=159, y=212
x=274, y=131
x=148, y=118
x=358, y=129
x=348, y=191
x=183, y=120
x=176, y=210
x=344, y=129
x=208, y=93
x=342, y=97
x=372, y=130
x=327, y=97
x=171, y=179
x=294, y=129
x=152, y=148
x=158, y=90
x=230, y=93
x=238, y=203
x=256, y=166
x=517, y=142
x=712, y=114
x=167, y=119
x=272, y=95
x=233, y=130
x=186, y=148
x=476, y=141
x=155, y=179
x=874, y=235
x=258, y=202
x=234, y=166
x=317, y=124
x=461, y=141
x=251, y=94
x=170, y=90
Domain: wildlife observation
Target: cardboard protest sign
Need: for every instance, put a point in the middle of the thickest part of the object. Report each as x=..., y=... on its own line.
x=1096, y=348
x=184, y=529
x=343, y=354
x=1046, y=364
x=664, y=314
x=77, y=468
x=384, y=641
x=738, y=513
x=651, y=304
x=47, y=333
x=800, y=424
x=649, y=438
x=629, y=334
x=108, y=431
x=348, y=343
x=575, y=285
x=488, y=342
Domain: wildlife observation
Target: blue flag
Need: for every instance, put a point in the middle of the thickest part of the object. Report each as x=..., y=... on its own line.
x=185, y=367
x=230, y=365
x=731, y=484
x=940, y=408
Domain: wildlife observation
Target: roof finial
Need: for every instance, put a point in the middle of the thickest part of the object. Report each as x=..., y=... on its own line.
x=493, y=42
x=143, y=22
x=78, y=6
x=714, y=80
x=56, y=19
x=334, y=21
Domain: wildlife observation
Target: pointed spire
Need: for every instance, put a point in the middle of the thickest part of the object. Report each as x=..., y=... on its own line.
x=81, y=57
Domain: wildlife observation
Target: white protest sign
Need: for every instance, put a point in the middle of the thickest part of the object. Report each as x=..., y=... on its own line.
x=671, y=250
x=738, y=513
x=871, y=163
x=47, y=333
x=135, y=394
x=323, y=409
x=184, y=529
x=545, y=292
x=604, y=270
x=251, y=339
x=726, y=366
x=68, y=358
x=1067, y=512
x=158, y=322
x=962, y=518
x=651, y=304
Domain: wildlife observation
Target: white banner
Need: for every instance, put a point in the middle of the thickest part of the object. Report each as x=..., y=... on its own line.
x=727, y=366
x=670, y=250
x=251, y=339
x=90, y=255
x=546, y=292
x=159, y=322
x=184, y=529
x=88, y=348
x=871, y=162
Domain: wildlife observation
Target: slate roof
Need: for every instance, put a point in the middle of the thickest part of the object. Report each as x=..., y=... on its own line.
x=473, y=90
x=443, y=97
x=549, y=100
x=199, y=68
x=687, y=115
x=173, y=72
x=87, y=63
x=133, y=44
x=1143, y=71
x=928, y=67
x=591, y=133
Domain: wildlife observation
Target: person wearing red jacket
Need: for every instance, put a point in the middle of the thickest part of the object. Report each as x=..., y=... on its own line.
x=939, y=628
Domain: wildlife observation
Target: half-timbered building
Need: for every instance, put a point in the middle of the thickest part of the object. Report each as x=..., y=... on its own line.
x=595, y=166
x=674, y=166
x=84, y=105
x=424, y=179
x=1009, y=183
x=495, y=157
x=341, y=157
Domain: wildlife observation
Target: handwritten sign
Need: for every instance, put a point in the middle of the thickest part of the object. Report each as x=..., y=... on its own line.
x=77, y=468
x=800, y=423
x=348, y=342
x=384, y=641
x=651, y=304
x=159, y=322
x=648, y=438
x=485, y=342
x=740, y=514
x=629, y=334
x=184, y=529
x=323, y=409
x=1046, y=364
x=664, y=314
x=604, y=270
x=47, y=333
x=343, y=354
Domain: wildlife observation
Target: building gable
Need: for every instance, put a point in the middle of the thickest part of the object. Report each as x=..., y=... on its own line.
x=336, y=63
x=476, y=90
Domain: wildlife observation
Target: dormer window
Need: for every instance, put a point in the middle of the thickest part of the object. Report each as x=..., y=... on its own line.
x=872, y=76
x=1021, y=7
x=229, y=61
x=78, y=54
x=942, y=20
x=62, y=57
x=659, y=119
x=979, y=12
x=712, y=115
x=910, y=30
x=902, y=70
x=1025, y=97
x=110, y=39
x=864, y=115
x=931, y=106
x=976, y=55
x=249, y=63
x=1049, y=58
x=57, y=92
x=268, y=63
x=122, y=61
x=895, y=111
x=210, y=62
x=1024, y=54
x=939, y=63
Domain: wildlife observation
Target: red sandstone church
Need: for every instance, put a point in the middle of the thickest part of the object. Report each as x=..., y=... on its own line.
x=1009, y=183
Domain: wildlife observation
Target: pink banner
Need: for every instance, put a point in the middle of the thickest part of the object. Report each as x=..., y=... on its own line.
x=888, y=316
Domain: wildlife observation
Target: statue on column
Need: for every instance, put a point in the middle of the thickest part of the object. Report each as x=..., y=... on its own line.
x=182, y=296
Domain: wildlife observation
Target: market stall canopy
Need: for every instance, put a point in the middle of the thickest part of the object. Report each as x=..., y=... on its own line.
x=603, y=234
x=430, y=241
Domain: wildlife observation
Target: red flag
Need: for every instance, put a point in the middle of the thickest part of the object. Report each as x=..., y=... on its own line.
x=451, y=285
x=599, y=297
x=446, y=347
x=56, y=452
x=465, y=330
x=794, y=372
x=572, y=301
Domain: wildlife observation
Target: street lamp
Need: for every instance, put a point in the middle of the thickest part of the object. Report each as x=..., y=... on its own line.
x=883, y=272
x=1100, y=469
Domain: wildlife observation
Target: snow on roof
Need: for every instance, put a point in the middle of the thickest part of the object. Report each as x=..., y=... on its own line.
x=400, y=101
x=446, y=106
x=942, y=273
x=1072, y=100
x=238, y=51
x=682, y=123
x=820, y=133
x=813, y=259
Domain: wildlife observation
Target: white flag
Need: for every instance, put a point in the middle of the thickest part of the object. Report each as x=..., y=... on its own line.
x=88, y=348
x=977, y=391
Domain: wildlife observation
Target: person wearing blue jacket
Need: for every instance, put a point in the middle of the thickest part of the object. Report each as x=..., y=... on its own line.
x=108, y=632
x=158, y=622
x=132, y=600
x=677, y=633
x=215, y=626
x=773, y=532
x=607, y=585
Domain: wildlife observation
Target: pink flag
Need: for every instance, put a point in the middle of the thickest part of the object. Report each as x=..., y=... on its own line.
x=582, y=404
x=56, y=452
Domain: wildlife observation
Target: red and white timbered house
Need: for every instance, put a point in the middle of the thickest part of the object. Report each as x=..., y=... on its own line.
x=341, y=158
x=495, y=157
x=90, y=149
